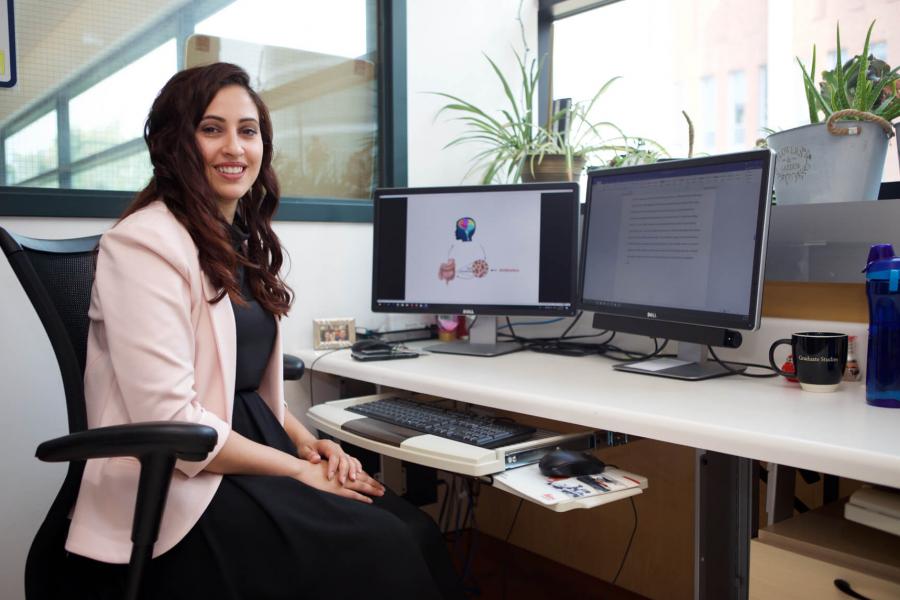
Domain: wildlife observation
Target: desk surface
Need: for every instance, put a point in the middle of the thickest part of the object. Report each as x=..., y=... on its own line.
x=766, y=419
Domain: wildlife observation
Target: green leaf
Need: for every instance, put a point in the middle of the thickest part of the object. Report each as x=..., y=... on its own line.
x=840, y=97
x=810, y=90
x=862, y=100
x=813, y=97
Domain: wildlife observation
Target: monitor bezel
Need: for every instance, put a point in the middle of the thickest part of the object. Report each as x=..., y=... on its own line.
x=481, y=309
x=749, y=321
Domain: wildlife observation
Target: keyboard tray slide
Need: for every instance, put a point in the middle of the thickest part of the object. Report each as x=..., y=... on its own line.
x=437, y=452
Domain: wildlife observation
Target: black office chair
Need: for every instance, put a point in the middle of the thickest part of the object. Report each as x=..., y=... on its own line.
x=57, y=276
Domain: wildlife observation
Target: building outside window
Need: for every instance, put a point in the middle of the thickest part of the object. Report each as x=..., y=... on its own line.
x=737, y=108
x=88, y=73
x=762, y=100
x=670, y=54
x=706, y=117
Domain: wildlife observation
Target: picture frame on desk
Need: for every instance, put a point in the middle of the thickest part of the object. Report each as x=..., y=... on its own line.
x=329, y=334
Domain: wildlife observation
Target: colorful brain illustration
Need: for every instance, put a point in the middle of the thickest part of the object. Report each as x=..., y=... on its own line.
x=465, y=229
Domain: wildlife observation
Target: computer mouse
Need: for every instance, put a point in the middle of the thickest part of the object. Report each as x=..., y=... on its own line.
x=570, y=463
x=371, y=346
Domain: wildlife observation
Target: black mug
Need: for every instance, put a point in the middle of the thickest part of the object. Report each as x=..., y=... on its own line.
x=819, y=359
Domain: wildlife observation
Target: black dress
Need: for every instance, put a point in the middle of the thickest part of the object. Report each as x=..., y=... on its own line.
x=265, y=537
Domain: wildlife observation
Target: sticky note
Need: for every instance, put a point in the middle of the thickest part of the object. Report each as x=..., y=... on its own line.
x=2, y=63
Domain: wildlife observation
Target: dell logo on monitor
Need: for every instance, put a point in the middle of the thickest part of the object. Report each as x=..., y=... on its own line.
x=468, y=311
x=651, y=315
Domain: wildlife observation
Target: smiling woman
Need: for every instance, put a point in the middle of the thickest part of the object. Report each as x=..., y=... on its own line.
x=184, y=327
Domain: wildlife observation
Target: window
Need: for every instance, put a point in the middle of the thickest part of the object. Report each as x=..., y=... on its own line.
x=76, y=122
x=706, y=118
x=737, y=107
x=762, y=100
x=32, y=151
x=728, y=63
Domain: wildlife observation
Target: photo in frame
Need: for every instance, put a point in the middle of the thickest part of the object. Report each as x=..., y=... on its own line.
x=333, y=333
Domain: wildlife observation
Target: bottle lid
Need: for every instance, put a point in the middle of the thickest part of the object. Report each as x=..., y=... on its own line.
x=879, y=252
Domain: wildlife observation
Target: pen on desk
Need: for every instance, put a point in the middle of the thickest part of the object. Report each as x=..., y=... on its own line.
x=632, y=480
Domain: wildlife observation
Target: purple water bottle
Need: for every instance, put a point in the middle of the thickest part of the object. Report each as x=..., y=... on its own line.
x=883, y=359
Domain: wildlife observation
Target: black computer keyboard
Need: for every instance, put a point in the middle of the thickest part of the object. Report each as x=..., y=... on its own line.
x=469, y=428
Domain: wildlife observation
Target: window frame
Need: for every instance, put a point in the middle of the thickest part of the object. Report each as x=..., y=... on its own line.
x=386, y=27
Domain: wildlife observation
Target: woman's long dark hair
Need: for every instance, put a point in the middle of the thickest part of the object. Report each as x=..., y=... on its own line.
x=179, y=180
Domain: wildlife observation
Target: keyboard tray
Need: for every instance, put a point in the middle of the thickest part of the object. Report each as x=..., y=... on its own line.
x=437, y=452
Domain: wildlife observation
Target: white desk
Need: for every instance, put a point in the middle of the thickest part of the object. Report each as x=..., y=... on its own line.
x=764, y=419
x=732, y=420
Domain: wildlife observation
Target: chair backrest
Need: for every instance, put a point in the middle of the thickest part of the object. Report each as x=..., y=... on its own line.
x=57, y=276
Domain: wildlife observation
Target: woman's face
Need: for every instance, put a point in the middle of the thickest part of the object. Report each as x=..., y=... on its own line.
x=230, y=141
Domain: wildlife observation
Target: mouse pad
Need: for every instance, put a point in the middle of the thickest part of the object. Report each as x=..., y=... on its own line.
x=552, y=490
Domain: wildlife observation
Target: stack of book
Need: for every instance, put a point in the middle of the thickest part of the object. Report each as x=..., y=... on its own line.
x=875, y=507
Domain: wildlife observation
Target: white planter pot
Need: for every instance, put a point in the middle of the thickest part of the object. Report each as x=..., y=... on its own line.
x=813, y=165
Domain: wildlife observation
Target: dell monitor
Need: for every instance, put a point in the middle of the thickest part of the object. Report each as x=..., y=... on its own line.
x=676, y=250
x=476, y=250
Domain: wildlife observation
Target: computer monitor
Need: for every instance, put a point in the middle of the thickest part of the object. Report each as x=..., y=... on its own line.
x=676, y=250
x=476, y=250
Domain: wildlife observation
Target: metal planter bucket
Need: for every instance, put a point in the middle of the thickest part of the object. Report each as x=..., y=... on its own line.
x=812, y=165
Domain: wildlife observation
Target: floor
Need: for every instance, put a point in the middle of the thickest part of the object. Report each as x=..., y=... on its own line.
x=502, y=571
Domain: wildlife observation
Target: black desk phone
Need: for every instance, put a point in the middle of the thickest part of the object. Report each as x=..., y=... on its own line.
x=378, y=350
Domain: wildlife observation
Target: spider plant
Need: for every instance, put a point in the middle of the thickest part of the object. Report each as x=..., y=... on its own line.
x=863, y=83
x=509, y=138
x=513, y=142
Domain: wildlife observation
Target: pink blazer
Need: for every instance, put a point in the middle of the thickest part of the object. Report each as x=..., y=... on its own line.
x=157, y=351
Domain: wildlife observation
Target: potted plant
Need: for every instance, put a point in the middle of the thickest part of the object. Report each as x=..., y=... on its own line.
x=518, y=149
x=840, y=155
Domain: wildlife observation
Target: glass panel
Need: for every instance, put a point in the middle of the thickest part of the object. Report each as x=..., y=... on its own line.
x=336, y=27
x=762, y=100
x=114, y=110
x=706, y=119
x=323, y=111
x=705, y=57
x=45, y=181
x=125, y=173
x=737, y=106
x=107, y=61
x=32, y=150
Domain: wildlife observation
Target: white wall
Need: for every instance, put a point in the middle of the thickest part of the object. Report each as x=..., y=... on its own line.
x=447, y=42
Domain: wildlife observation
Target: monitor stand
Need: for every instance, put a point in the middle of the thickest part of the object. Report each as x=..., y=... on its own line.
x=691, y=364
x=482, y=341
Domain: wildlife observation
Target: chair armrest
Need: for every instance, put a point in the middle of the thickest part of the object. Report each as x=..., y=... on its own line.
x=187, y=441
x=293, y=367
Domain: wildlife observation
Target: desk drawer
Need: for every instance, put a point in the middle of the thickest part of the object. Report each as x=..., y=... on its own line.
x=780, y=574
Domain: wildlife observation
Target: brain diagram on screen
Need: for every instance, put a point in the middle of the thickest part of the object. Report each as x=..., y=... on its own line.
x=466, y=258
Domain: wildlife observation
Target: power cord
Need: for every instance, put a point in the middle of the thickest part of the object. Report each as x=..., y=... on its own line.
x=515, y=518
x=725, y=366
x=572, y=324
x=310, y=369
x=558, y=344
x=630, y=540
x=505, y=568
x=629, y=355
